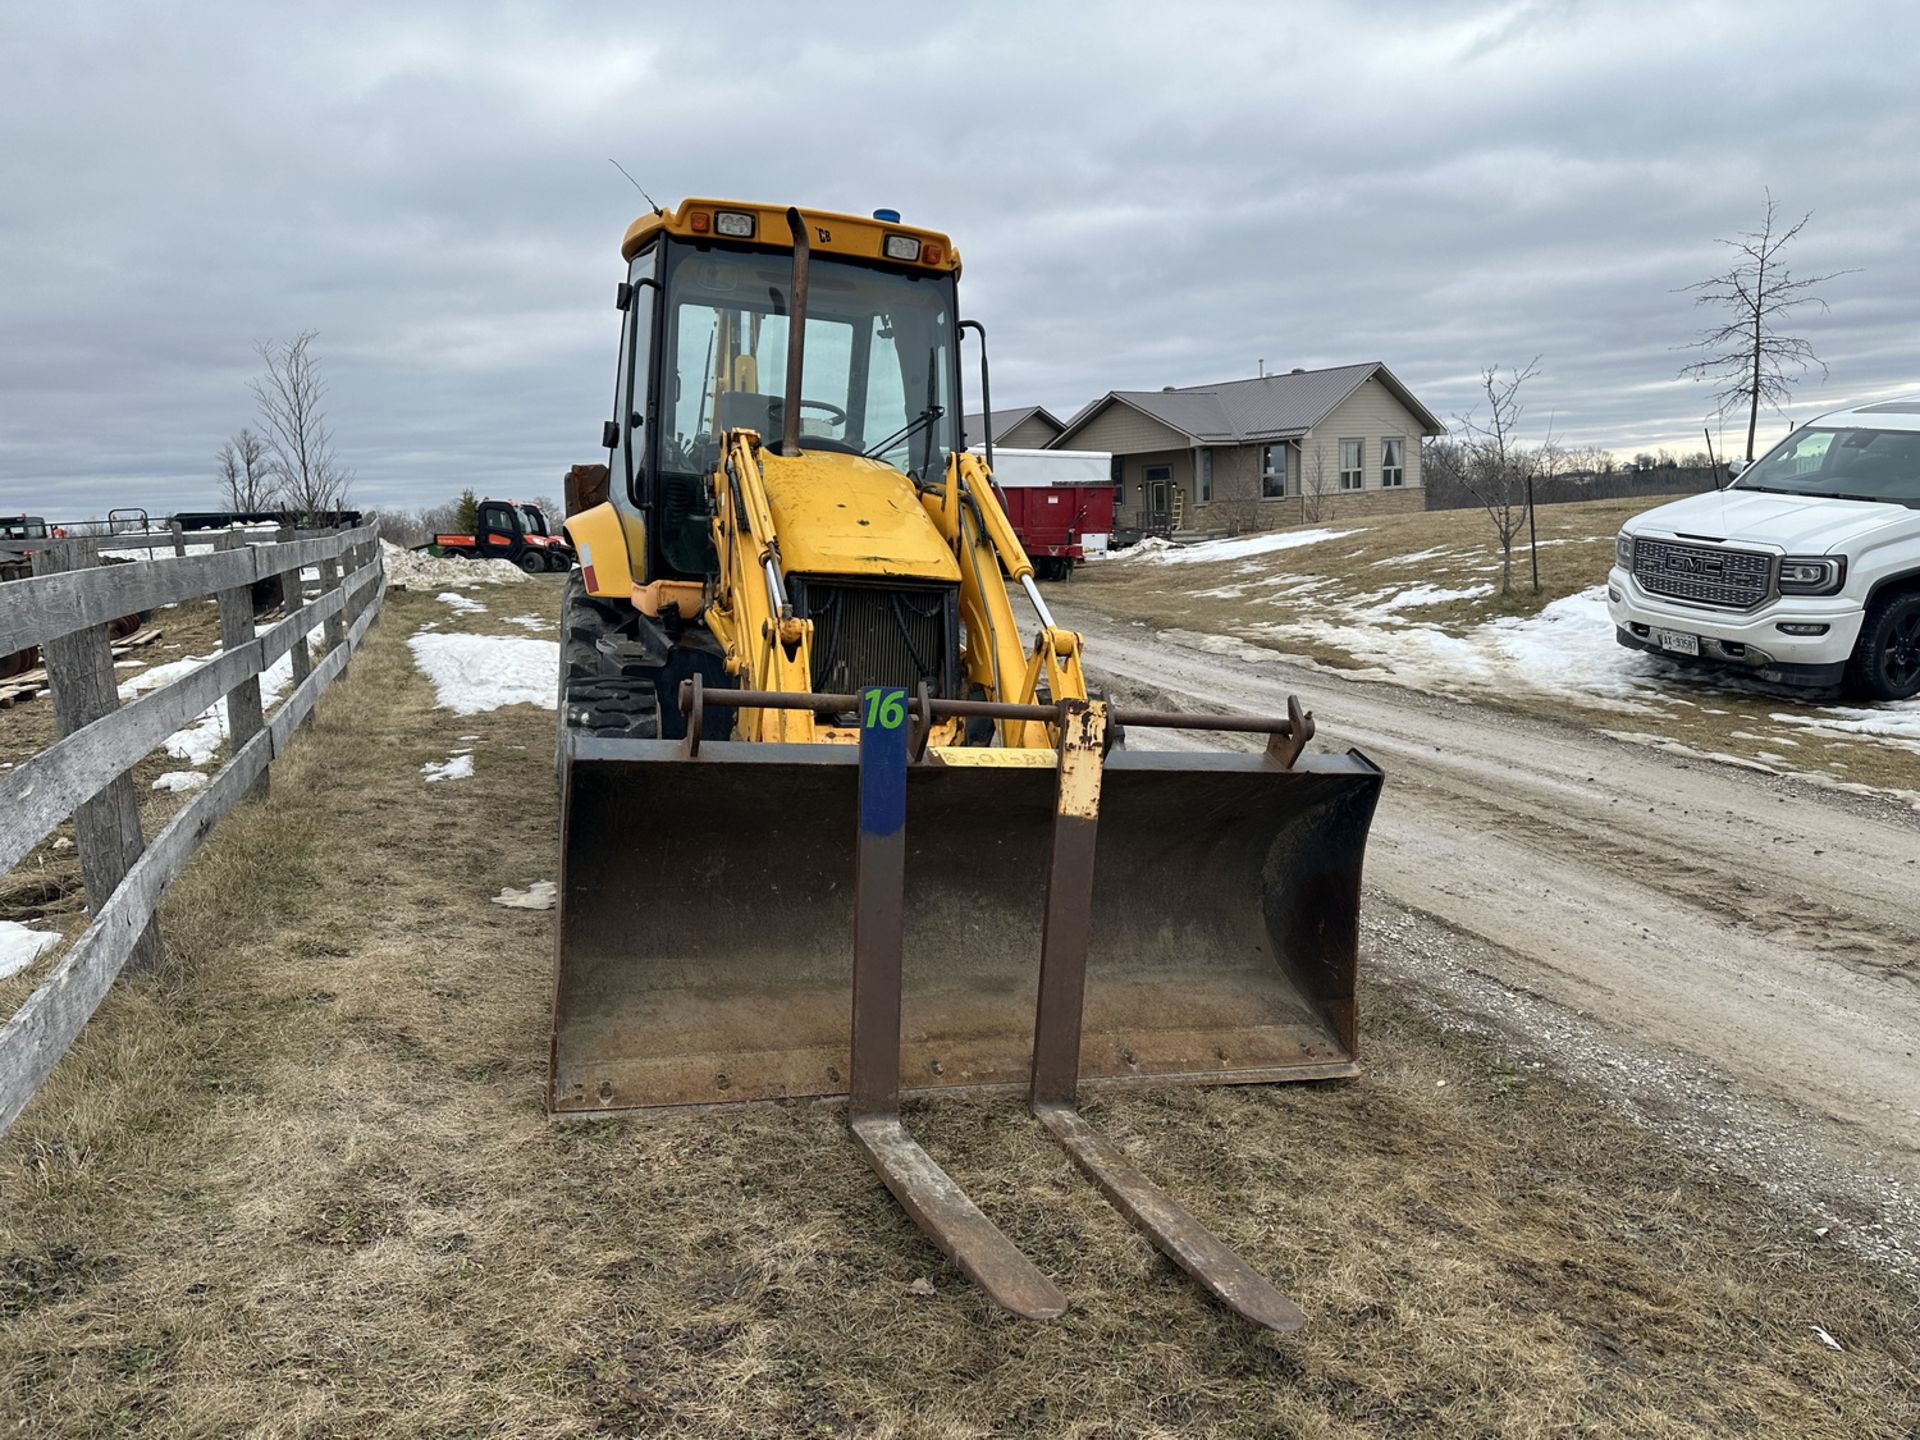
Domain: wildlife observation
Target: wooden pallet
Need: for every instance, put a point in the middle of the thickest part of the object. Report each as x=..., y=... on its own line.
x=34, y=683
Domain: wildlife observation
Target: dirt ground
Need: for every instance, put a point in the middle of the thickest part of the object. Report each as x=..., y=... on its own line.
x=301, y=1184
x=1744, y=946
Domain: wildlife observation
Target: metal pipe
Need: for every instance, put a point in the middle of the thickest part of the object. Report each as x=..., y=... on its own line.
x=796, y=335
x=986, y=392
x=1039, y=605
x=994, y=710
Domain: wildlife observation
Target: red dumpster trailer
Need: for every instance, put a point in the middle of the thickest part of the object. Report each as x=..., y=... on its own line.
x=1060, y=503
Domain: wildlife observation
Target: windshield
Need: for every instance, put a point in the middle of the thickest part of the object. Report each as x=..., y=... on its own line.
x=536, y=522
x=24, y=528
x=879, y=364
x=1842, y=464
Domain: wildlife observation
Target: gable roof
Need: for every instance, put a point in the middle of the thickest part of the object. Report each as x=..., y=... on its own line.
x=1267, y=407
x=1005, y=420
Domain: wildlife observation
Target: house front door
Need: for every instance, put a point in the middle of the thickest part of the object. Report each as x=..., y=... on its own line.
x=1159, y=487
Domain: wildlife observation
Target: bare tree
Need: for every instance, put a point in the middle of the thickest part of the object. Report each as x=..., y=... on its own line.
x=1317, y=484
x=246, y=471
x=309, y=478
x=1746, y=357
x=1497, y=469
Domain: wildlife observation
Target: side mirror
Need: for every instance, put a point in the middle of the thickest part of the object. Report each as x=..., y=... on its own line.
x=609, y=434
x=1736, y=467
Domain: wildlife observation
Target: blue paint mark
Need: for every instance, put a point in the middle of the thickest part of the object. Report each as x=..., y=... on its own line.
x=883, y=766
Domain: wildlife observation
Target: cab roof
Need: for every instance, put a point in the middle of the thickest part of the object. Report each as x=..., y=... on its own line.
x=861, y=236
x=1901, y=413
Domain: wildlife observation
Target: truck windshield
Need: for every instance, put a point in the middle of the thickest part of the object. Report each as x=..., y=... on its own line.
x=536, y=522
x=879, y=361
x=1842, y=464
x=24, y=527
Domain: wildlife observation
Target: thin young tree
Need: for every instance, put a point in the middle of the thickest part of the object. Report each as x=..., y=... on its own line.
x=246, y=471
x=1317, y=484
x=1747, y=358
x=1496, y=468
x=310, y=479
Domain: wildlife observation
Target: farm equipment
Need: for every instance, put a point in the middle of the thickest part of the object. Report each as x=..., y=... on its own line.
x=507, y=530
x=832, y=825
x=1060, y=503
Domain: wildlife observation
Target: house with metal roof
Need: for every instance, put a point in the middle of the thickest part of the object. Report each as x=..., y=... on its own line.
x=1027, y=427
x=1255, y=454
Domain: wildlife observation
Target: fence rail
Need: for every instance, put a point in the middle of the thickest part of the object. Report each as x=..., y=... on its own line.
x=86, y=772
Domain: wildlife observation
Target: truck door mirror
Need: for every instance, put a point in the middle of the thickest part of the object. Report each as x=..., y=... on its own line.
x=609, y=434
x=1735, y=467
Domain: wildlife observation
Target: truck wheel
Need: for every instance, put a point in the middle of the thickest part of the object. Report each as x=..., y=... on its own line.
x=1886, y=659
x=531, y=561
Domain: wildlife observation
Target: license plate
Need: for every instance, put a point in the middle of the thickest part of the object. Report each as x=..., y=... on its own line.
x=1678, y=643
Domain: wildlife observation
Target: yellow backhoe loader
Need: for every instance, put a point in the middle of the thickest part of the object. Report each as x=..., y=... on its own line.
x=838, y=819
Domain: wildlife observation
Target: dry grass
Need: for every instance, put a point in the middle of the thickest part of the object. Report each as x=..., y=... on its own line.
x=1312, y=602
x=301, y=1184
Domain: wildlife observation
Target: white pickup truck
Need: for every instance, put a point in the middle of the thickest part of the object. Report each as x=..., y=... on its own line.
x=1806, y=570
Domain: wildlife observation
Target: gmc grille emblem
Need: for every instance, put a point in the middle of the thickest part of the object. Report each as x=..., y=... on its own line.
x=1712, y=565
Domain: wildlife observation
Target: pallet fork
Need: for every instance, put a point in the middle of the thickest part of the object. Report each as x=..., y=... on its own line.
x=939, y=1206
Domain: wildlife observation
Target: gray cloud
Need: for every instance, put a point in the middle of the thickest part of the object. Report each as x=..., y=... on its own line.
x=1144, y=195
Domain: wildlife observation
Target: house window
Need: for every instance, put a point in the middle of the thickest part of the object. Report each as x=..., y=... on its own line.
x=1206, y=477
x=1273, y=472
x=1352, y=476
x=1393, y=460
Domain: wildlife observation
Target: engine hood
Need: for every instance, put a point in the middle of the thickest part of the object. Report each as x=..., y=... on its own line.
x=847, y=515
x=1796, y=524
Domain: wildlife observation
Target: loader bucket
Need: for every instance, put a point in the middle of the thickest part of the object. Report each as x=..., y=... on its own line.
x=706, y=920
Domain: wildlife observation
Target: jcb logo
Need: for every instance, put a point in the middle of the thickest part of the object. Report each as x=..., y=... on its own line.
x=822, y=234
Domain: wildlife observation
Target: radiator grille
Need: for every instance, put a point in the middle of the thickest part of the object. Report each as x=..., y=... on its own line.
x=873, y=635
x=1732, y=579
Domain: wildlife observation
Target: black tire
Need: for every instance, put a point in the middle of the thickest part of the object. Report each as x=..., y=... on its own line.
x=595, y=699
x=531, y=561
x=1885, y=664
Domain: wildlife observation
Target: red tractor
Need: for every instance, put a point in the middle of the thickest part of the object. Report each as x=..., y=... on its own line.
x=507, y=530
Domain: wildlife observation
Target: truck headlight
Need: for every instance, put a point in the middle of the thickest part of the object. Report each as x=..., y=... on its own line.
x=1623, y=551
x=1812, y=574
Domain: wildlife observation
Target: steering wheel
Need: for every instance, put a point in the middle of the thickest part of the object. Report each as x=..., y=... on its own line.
x=834, y=412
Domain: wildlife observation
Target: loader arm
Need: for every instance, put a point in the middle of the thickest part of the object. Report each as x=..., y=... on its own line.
x=971, y=517
x=767, y=646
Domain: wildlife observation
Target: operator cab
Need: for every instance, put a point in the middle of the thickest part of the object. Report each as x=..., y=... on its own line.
x=704, y=351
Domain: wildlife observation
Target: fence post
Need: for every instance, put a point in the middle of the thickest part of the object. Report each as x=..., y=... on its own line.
x=244, y=715
x=80, y=674
x=179, y=538
x=336, y=622
x=295, y=591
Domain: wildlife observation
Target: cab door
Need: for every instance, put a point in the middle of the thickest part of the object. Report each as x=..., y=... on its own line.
x=496, y=529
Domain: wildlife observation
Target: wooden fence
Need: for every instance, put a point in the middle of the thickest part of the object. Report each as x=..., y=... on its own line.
x=65, y=608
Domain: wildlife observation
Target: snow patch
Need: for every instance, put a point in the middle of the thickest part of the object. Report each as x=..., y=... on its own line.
x=1419, y=555
x=471, y=673
x=410, y=570
x=458, y=766
x=1897, y=721
x=178, y=780
x=1165, y=552
x=461, y=604
x=20, y=946
x=538, y=896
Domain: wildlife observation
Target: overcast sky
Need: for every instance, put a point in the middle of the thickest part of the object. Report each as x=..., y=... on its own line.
x=1143, y=196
